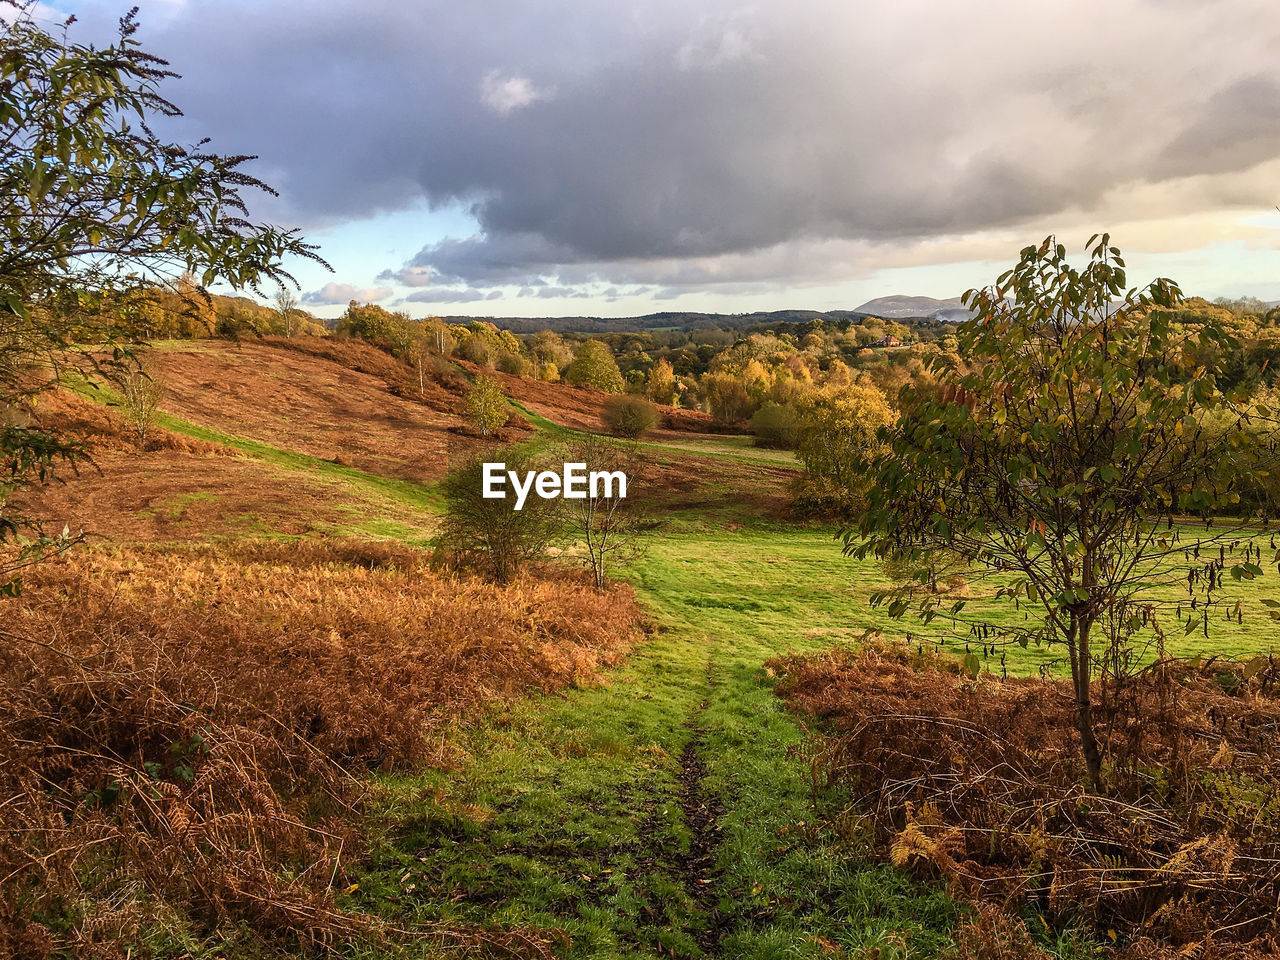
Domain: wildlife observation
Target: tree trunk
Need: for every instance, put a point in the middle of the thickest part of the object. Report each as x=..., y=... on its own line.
x=1081, y=668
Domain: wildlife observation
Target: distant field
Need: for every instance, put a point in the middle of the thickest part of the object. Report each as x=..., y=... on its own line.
x=797, y=589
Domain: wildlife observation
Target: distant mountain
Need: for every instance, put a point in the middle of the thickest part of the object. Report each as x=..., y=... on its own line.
x=904, y=308
x=667, y=320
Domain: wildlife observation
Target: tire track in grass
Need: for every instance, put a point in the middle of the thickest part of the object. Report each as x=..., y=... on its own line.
x=702, y=814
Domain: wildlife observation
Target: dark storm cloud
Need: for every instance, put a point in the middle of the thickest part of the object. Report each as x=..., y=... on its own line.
x=637, y=143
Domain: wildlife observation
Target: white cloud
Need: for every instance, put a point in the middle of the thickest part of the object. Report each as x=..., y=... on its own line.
x=343, y=293
x=507, y=94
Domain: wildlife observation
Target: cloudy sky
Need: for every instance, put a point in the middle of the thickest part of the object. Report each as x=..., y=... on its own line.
x=556, y=157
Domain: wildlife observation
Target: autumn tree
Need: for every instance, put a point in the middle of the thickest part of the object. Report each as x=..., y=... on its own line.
x=609, y=526
x=661, y=385
x=1059, y=463
x=489, y=533
x=140, y=394
x=836, y=430
x=725, y=396
x=486, y=405
x=286, y=309
x=629, y=416
x=593, y=365
x=96, y=211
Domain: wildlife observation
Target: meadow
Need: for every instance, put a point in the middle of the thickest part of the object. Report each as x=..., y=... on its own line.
x=663, y=807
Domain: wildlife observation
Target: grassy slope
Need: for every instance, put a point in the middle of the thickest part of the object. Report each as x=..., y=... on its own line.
x=573, y=811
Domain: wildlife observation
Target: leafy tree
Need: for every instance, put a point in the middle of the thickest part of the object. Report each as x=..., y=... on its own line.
x=661, y=385
x=489, y=532
x=725, y=396
x=98, y=214
x=422, y=357
x=550, y=351
x=776, y=425
x=286, y=306
x=437, y=336
x=140, y=394
x=1059, y=463
x=368, y=321
x=611, y=528
x=593, y=364
x=486, y=405
x=629, y=416
x=837, y=430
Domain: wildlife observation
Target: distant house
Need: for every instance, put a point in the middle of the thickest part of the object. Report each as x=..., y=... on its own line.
x=888, y=340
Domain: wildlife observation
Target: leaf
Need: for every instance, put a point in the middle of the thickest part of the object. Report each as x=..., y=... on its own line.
x=1254, y=667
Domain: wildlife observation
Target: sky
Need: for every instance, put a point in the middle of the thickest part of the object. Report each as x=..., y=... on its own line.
x=579, y=157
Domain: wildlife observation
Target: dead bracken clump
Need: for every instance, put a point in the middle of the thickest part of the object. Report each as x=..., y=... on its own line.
x=181, y=729
x=102, y=428
x=981, y=781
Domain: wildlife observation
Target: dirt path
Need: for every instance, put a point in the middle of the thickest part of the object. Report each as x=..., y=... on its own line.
x=666, y=814
x=702, y=813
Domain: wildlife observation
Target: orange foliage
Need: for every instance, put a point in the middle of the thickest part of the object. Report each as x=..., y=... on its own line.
x=186, y=730
x=979, y=781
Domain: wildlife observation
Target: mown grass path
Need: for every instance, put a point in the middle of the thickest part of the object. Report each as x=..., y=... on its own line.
x=666, y=813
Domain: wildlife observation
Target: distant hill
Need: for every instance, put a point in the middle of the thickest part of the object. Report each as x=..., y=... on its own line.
x=904, y=308
x=667, y=320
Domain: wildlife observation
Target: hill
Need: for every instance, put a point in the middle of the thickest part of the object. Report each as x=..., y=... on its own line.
x=900, y=307
x=667, y=320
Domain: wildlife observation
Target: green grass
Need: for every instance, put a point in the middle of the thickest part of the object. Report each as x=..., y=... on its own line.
x=729, y=447
x=565, y=811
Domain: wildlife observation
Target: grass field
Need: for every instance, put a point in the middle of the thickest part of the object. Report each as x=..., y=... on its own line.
x=668, y=811
x=574, y=812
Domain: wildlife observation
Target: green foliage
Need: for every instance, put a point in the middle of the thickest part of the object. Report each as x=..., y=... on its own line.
x=837, y=431
x=91, y=199
x=486, y=405
x=394, y=331
x=629, y=416
x=661, y=384
x=725, y=397
x=489, y=533
x=1058, y=459
x=593, y=365
x=776, y=425
x=98, y=216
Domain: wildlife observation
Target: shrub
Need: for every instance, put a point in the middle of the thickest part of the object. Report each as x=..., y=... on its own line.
x=629, y=416
x=475, y=350
x=838, y=429
x=776, y=425
x=486, y=405
x=489, y=533
x=979, y=779
x=593, y=365
x=512, y=363
x=140, y=396
x=209, y=700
